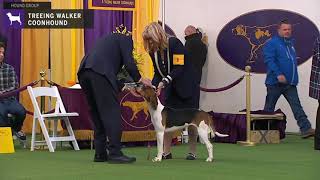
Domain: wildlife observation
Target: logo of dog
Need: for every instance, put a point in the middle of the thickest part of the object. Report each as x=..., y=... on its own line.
x=13, y=18
x=240, y=42
x=136, y=107
x=255, y=36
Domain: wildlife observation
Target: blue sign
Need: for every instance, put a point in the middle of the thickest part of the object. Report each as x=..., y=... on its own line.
x=240, y=42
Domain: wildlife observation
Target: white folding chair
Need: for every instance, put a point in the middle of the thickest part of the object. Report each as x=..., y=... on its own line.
x=59, y=113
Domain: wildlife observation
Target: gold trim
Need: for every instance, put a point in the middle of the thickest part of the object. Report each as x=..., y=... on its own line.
x=127, y=136
x=149, y=135
x=81, y=134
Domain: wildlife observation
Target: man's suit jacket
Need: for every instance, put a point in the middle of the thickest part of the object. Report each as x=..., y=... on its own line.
x=108, y=56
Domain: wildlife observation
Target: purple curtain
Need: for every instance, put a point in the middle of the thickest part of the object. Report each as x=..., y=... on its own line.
x=105, y=22
x=13, y=41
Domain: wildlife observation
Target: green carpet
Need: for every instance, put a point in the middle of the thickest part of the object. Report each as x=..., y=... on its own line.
x=293, y=159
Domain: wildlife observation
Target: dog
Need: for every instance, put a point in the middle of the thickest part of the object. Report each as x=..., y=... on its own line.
x=13, y=18
x=136, y=107
x=165, y=119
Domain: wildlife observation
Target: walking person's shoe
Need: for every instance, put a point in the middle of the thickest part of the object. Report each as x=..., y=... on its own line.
x=309, y=133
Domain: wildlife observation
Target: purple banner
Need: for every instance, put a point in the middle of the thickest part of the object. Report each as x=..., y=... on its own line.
x=105, y=22
x=12, y=38
x=112, y=4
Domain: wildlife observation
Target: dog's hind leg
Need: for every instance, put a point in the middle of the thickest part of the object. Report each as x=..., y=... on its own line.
x=203, y=134
x=160, y=135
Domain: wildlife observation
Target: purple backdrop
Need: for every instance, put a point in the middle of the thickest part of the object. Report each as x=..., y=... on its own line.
x=13, y=37
x=105, y=22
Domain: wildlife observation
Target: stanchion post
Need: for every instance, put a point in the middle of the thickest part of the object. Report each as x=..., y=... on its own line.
x=42, y=98
x=42, y=84
x=248, y=109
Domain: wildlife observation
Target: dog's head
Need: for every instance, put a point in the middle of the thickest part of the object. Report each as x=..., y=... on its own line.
x=9, y=14
x=149, y=94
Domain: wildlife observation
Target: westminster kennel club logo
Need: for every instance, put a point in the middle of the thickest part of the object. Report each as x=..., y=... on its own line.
x=134, y=112
x=241, y=41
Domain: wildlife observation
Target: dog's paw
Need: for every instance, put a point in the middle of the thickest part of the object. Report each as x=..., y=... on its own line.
x=209, y=159
x=156, y=159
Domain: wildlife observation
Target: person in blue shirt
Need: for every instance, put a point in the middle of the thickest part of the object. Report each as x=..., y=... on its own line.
x=282, y=76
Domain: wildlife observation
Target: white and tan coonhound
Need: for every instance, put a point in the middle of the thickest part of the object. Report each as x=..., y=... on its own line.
x=165, y=119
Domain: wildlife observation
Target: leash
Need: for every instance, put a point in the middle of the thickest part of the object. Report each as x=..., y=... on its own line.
x=133, y=84
x=149, y=151
x=149, y=147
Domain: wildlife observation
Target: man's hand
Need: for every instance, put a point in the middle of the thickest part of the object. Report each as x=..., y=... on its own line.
x=146, y=82
x=282, y=79
x=159, y=88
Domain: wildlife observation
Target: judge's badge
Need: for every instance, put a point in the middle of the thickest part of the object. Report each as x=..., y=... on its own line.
x=178, y=59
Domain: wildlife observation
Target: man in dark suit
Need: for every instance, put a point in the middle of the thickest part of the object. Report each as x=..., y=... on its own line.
x=98, y=79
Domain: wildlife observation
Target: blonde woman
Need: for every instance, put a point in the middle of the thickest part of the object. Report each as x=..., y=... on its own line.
x=173, y=74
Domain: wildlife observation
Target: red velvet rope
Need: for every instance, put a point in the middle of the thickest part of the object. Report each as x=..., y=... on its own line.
x=223, y=88
x=14, y=92
x=52, y=84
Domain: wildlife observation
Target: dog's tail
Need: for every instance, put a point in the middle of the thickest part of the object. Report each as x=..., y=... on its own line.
x=212, y=128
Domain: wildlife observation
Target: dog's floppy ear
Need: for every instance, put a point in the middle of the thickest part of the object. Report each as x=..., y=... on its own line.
x=152, y=97
x=154, y=101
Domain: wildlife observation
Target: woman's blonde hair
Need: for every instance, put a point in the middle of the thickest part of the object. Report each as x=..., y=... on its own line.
x=154, y=38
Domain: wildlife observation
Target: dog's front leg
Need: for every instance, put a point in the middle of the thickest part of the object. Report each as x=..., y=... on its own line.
x=160, y=135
